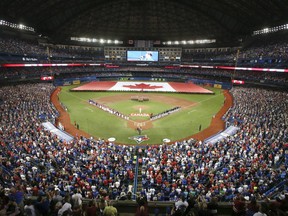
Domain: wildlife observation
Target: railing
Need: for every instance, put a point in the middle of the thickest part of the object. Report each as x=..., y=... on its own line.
x=135, y=178
x=276, y=189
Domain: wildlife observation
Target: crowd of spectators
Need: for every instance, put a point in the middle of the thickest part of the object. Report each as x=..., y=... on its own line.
x=273, y=53
x=31, y=47
x=21, y=47
x=208, y=54
x=250, y=162
x=61, y=72
x=252, y=76
x=76, y=52
x=240, y=168
x=24, y=72
x=277, y=51
x=183, y=73
x=36, y=163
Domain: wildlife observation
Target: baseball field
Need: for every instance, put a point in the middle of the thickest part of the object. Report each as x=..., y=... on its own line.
x=136, y=108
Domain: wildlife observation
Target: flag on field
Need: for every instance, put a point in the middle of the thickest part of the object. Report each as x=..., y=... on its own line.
x=143, y=86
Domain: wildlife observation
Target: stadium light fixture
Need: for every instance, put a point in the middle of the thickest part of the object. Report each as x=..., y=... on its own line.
x=16, y=26
x=184, y=42
x=95, y=40
x=270, y=30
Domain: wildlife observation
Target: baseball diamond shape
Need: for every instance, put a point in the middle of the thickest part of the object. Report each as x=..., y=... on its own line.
x=98, y=124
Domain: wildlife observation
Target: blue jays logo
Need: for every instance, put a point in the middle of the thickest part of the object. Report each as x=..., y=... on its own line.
x=139, y=139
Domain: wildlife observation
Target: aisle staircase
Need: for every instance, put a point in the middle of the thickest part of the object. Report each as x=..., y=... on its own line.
x=139, y=178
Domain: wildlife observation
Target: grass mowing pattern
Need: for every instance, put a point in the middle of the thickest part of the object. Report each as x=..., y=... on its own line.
x=175, y=126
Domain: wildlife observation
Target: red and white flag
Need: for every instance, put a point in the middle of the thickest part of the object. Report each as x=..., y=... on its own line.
x=143, y=86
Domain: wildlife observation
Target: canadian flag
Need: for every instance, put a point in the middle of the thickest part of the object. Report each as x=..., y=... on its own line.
x=143, y=86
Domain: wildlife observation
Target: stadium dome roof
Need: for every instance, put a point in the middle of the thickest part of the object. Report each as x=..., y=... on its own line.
x=149, y=19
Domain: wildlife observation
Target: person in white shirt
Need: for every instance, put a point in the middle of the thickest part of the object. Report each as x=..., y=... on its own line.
x=77, y=199
x=147, y=57
x=29, y=208
x=182, y=202
x=66, y=207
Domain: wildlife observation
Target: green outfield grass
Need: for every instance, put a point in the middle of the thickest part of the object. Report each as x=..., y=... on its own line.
x=176, y=126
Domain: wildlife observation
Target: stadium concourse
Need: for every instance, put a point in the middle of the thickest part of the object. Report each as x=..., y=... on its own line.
x=34, y=162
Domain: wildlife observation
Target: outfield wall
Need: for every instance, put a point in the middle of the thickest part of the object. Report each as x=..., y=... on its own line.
x=212, y=83
x=75, y=81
